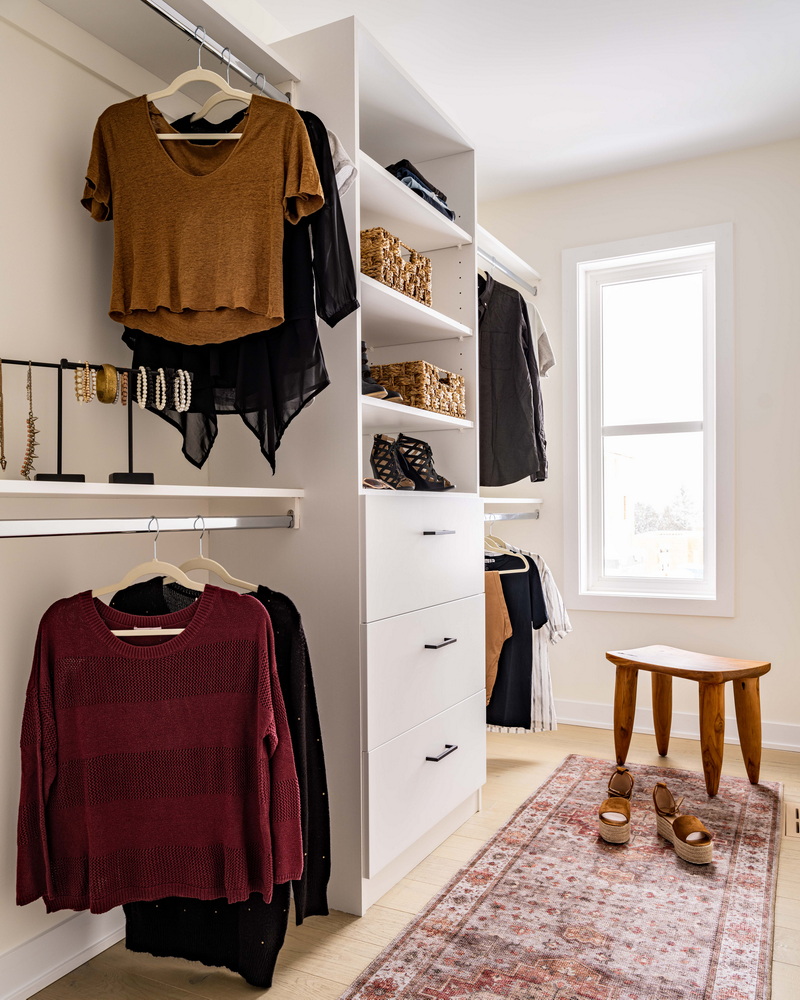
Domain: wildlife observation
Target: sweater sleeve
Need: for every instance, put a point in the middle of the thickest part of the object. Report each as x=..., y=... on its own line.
x=284, y=801
x=38, y=746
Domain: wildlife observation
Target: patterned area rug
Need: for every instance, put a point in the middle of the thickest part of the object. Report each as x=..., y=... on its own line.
x=546, y=910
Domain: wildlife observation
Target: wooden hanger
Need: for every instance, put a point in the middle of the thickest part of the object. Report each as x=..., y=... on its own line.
x=203, y=562
x=153, y=566
x=200, y=75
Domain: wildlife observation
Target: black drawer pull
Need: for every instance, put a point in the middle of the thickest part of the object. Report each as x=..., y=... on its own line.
x=438, y=645
x=448, y=749
x=442, y=531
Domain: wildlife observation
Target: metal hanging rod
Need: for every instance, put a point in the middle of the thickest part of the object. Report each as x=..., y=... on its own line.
x=222, y=52
x=527, y=515
x=43, y=527
x=502, y=267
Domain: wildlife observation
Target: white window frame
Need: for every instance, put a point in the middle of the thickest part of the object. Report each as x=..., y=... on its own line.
x=586, y=588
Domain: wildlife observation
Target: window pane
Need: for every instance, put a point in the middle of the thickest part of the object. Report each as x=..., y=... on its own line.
x=653, y=505
x=653, y=350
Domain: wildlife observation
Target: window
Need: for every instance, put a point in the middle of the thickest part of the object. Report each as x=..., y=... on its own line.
x=648, y=424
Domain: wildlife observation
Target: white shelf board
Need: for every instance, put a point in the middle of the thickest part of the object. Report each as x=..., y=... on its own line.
x=12, y=488
x=379, y=416
x=387, y=202
x=389, y=318
x=514, y=500
x=505, y=256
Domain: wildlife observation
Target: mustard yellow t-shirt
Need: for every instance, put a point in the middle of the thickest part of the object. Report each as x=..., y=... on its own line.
x=198, y=230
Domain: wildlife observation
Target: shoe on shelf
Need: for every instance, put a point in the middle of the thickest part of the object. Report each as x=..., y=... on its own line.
x=416, y=461
x=386, y=464
x=620, y=783
x=691, y=840
x=369, y=387
x=375, y=484
x=614, y=820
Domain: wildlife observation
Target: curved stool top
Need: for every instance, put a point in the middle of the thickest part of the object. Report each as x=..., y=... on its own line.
x=685, y=663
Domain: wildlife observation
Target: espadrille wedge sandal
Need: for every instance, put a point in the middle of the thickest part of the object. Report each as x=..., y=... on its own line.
x=688, y=836
x=621, y=783
x=614, y=820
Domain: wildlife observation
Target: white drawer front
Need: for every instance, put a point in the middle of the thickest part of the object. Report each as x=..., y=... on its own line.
x=407, y=683
x=408, y=794
x=406, y=569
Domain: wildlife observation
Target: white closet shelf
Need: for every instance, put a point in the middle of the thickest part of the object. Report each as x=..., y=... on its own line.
x=389, y=318
x=511, y=500
x=379, y=416
x=387, y=202
x=505, y=256
x=116, y=490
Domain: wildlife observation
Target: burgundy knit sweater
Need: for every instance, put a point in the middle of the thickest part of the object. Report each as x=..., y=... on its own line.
x=155, y=767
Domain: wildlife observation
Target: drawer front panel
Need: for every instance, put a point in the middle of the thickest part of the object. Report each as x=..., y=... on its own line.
x=408, y=794
x=407, y=683
x=420, y=551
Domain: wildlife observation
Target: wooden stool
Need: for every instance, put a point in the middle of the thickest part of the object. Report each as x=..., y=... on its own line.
x=711, y=672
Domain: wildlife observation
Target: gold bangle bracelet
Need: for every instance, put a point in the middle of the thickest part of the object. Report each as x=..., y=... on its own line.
x=107, y=384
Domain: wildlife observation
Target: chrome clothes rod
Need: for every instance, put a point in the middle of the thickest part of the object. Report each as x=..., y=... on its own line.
x=526, y=516
x=49, y=527
x=501, y=267
x=222, y=52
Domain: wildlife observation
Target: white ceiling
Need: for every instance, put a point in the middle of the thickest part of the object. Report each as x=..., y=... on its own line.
x=554, y=91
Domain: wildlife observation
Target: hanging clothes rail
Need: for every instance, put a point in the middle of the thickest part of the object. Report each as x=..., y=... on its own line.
x=44, y=527
x=494, y=262
x=222, y=52
x=525, y=516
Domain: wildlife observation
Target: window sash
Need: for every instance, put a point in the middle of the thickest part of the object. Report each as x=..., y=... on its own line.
x=596, y=274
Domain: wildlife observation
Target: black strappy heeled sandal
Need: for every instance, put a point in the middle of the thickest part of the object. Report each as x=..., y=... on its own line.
x=416, y=460
x=385, y=463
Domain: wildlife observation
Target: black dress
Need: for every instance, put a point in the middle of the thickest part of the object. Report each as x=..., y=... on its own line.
x=247, y=937
x=512, y=440
x=510, y=704
x=267, y=377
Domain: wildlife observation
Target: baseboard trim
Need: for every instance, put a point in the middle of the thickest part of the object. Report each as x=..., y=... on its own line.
x=685, y=725
x=57, y=951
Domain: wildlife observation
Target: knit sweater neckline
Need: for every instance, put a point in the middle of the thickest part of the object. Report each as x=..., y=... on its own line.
x=102, y=619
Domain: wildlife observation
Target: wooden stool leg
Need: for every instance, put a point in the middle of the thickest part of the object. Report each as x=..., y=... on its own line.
x=712, y=733
x=662, y=710
x=748, y=720
x=624, y=710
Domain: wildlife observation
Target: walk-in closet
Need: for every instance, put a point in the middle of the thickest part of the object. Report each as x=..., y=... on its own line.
x=396, y=501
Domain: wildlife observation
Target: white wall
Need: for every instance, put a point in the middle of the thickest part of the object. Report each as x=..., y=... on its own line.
x=54, y=290
x=759, y=191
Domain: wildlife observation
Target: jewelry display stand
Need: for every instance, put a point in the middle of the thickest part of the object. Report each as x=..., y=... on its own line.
x=59, y=476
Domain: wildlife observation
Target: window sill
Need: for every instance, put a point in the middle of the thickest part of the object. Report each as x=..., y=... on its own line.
x=718, y=607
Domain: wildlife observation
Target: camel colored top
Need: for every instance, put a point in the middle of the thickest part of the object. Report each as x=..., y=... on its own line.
x=198, y=230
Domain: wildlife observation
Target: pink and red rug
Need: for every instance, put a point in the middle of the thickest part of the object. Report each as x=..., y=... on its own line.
x=546, y=910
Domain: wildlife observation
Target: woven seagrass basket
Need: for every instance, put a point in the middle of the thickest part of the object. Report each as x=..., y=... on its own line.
x=425, y=386
x=382, y=259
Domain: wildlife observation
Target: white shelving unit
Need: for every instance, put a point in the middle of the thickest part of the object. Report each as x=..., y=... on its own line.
x=387, y=202
x=517, y=501
x=116, y=491
x=390, y=318
x=506, y=257
x=378, y=416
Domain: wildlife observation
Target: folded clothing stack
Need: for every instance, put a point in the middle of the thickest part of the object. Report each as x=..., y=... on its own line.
x=408, y=174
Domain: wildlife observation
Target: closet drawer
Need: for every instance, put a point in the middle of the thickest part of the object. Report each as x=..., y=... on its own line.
x=407, y=569
x=408, y=794
x=407, y=683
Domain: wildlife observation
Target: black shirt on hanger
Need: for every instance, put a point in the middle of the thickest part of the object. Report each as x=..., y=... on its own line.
x=510, y=704
x=512, y=440
x=247, y=937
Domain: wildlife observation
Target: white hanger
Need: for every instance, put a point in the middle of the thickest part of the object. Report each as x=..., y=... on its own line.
x=229, y=94
x=496, y=544
x=199, y=75
x=154, y=565
x=203, y=562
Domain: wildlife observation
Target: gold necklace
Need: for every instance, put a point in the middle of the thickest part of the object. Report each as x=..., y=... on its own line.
x=30, y=424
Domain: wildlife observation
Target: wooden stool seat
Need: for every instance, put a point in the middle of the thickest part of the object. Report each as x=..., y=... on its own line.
x=711, y=673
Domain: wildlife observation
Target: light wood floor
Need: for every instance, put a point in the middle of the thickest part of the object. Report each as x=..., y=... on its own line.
x=323, y=956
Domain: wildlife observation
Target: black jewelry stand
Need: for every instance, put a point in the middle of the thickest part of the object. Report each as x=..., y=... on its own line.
x=59, y=476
